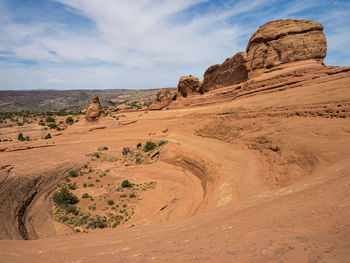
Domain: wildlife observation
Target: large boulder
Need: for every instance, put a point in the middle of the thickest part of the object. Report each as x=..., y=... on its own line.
x=94, y=111
x=163, y=95
x=188, y=85
x=231, y=72
x=163, y=99
x=285, y=41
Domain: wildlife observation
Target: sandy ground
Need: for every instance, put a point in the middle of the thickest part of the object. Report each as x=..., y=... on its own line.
x=261, y=178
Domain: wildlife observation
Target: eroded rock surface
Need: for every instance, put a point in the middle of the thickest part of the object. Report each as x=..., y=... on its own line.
x=163, y=98
x=285, y=41
x=188, y=85
x=94, y=111
x=231, y=72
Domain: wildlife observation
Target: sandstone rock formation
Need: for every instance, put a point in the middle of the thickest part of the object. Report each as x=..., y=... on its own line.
x=163, y=99
x=231, y=72
x=94, y=111
x=163, y=95
x=188, y=85
x=285, y=41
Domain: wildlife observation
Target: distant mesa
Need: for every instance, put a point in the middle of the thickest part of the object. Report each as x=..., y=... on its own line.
x=95, y=110
x=273, y=44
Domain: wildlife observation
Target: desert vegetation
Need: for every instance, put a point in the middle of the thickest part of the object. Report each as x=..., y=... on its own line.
x=92, y=211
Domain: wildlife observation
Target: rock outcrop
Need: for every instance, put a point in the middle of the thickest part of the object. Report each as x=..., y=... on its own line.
x=94, y=111
x=285, y=41
x=188, y=85
x=231, y=72
x=163, y=99
x=275, y=45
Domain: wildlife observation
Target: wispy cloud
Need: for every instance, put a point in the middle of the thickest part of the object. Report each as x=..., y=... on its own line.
x=131, y=44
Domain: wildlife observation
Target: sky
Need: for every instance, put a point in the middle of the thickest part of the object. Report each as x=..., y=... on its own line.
x=142, y=44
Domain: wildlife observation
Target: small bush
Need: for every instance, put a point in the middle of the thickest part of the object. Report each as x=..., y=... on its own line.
x=97, y=180
x=42, y=123
x=91, y=185
x=123, y=195
x=50, y=119
x=69, y=120
x=110, y=202
x=84, y=185
x=19, y=123
x=105, y=148
x=138, y=145
x=20, y=137
x=52, y=126
x=48, y=136
x=72, y=209
x=132, y=195
x=149, y=146
x=63, y=197
x=125, y=150
x=162, y=142
x=86, y=195
x=72, y=186
x=73, y=174
x=126, y=183
x=138, y=160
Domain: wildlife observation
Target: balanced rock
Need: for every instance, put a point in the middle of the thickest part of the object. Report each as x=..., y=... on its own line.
x=188, y=85
x=231, y=72
x=94, y=111
x=285, y=41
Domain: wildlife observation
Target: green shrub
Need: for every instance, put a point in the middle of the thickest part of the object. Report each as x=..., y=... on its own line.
x=50, y=119
x=71, y=209
x=73, y=174
x=105, y=148
x=69, y=120
x=84, y=185
x=86, y=195
x=126, y=183
x=19, y=123
x=42, y=123
x=132, y=195
x=20, y=137
x=110, y=202
x=138, y=145
x=124, y=195
x=63, y=197
x=97, y=180
x=48, y=136
x=91, y=185
x=52, y=126
x=162, y=142
x=138, y=160
x=125, y=150
x=72, y=186
x=149, y=146
x=64, y=218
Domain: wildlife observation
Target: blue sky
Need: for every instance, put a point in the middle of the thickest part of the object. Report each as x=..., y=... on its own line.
x=142, y=44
